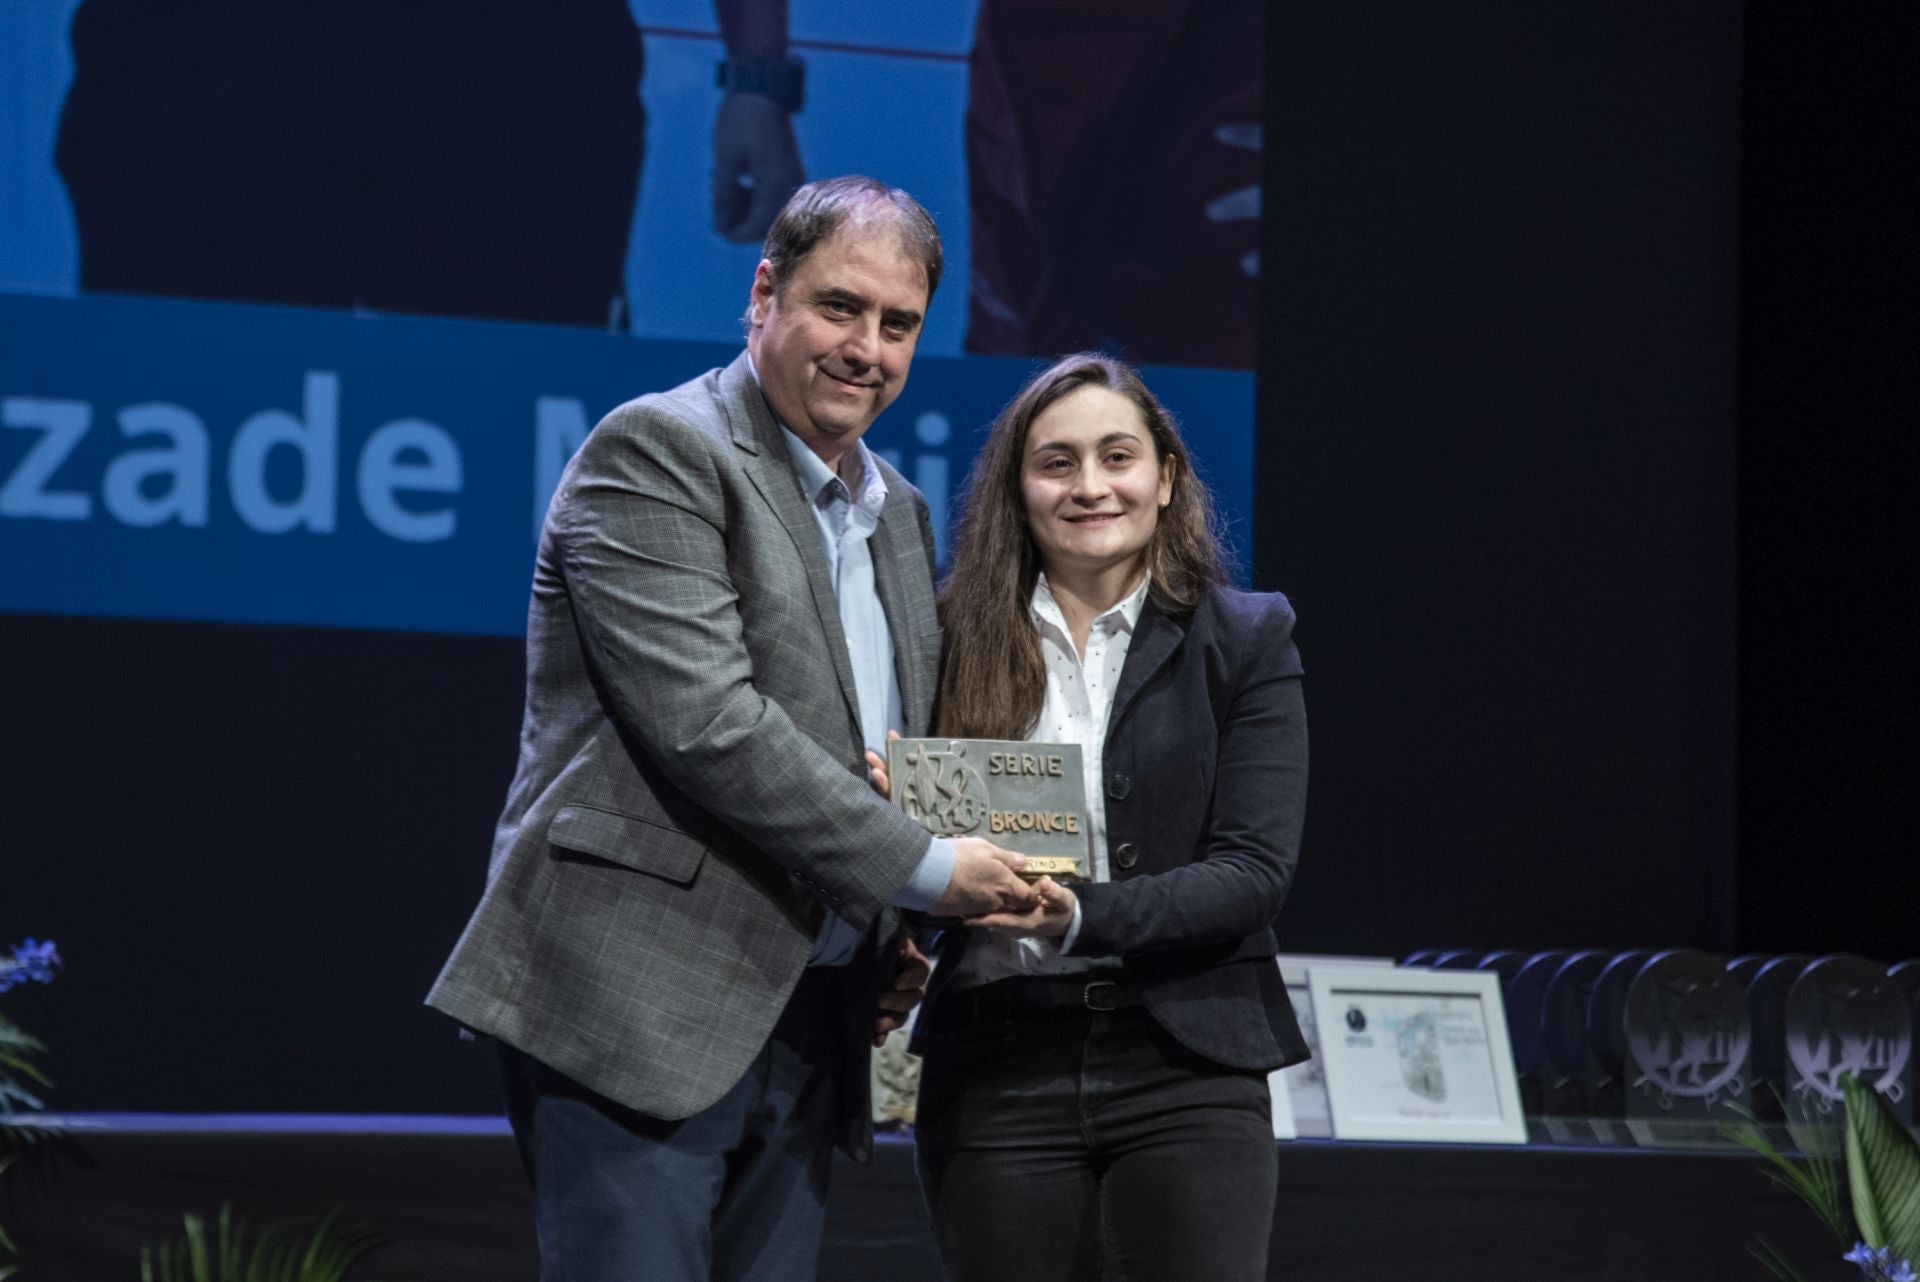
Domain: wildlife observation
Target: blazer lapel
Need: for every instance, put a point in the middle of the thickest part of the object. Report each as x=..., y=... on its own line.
x=899, y=562
x=757, y=436
x=1155, y=637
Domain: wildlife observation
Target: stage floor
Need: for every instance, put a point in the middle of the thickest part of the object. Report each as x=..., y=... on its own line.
x=450, y=1195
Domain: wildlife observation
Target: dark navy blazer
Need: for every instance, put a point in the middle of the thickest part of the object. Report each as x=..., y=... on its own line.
x=1206, y=784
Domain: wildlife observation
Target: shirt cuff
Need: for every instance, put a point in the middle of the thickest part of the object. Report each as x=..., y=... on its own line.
x=929, y=880
x=1073, y=928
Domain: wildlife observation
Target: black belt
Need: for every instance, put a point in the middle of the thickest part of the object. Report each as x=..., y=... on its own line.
x=1038, y=995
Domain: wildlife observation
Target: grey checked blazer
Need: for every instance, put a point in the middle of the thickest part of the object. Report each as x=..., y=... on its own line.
x=690, y=796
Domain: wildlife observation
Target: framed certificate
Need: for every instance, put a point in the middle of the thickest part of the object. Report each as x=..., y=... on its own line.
x=1300, y=1092
x=1416, y=1055
x=1284, y=1127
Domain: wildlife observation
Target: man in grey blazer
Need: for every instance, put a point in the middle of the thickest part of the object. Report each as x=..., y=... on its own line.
x=687, y=937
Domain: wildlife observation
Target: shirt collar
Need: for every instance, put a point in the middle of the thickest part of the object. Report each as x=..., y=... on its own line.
x=1122, y=616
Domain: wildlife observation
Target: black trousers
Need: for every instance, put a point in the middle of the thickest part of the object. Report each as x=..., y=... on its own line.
x=1068, y=1143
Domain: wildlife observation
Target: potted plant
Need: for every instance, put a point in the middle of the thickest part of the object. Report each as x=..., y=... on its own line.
x=25, y=1136
x=1880, y=1209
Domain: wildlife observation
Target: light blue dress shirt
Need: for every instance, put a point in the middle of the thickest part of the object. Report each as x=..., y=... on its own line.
x=846, y=521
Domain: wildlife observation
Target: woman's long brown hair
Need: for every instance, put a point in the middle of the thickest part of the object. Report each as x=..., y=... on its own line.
x=993, y=680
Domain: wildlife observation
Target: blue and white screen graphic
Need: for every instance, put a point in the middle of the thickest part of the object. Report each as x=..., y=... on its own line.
x=302, y=312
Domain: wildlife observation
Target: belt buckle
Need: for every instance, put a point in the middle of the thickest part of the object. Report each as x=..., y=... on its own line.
x=1088, y=997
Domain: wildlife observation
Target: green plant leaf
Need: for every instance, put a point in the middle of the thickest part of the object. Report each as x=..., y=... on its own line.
x=1777, y=1264
x=1815, y=1180
x=24, y=1066
x=314, y=1262
x=17, y=1047
x=275, y=1254
x=1883, y=1166
x=199, y=1268
x=303, y=1250
x=230, y=1242
x=11, y=1034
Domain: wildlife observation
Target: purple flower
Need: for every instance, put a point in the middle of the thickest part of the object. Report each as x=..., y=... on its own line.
x=31, y=961
x=1878, y=1264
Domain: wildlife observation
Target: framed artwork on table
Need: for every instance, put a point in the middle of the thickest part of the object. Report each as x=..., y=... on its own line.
x=1416, y=1055
x=1300, y=1092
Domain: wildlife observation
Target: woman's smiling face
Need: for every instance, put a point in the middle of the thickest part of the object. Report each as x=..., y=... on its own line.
x=1093, y=483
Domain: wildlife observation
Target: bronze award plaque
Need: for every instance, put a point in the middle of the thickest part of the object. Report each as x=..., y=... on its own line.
x=1029, y=797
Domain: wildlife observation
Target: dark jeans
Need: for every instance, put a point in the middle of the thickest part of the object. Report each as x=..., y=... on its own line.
x=1079, y=1144
x=736, y=1192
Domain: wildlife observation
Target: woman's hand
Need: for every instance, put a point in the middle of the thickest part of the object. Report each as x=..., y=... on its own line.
x=877, y=771
x=1048, y=919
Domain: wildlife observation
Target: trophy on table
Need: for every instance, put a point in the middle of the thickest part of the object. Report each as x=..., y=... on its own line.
x=1029, y=797
x=1687, y=1038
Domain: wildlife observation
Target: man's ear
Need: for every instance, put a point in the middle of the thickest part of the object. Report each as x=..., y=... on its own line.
x=760, y=300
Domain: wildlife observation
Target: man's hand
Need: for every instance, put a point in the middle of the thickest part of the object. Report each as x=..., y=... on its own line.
x=1048, y=918
x=909, y=986
x=985, y=880
x=756, y=166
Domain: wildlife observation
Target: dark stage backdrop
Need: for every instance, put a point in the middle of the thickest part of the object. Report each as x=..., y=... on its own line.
x=1585, y=412
x=255, y=847
x=1829, y=391
x=1497, y=428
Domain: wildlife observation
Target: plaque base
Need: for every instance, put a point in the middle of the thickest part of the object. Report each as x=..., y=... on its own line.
x=1058, y=867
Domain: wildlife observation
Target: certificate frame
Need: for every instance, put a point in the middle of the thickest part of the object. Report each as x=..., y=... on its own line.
x=1280, y=1092
x=1300, y=1108
x=1447, y=1032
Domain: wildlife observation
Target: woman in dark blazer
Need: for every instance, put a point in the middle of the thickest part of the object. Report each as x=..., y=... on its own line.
x=1094, y=1100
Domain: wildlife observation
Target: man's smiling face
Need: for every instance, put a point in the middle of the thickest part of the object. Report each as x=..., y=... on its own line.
x=833, y=347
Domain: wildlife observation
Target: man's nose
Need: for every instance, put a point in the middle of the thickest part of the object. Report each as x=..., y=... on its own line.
x=862, y=345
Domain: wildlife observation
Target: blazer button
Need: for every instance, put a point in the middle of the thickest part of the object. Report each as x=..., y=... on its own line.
x=1125, y=856
x=1118, y=786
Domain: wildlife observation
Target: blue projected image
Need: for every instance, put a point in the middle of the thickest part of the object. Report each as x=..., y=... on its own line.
x=248, y=464
x=863, y=62
x=342, y=459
